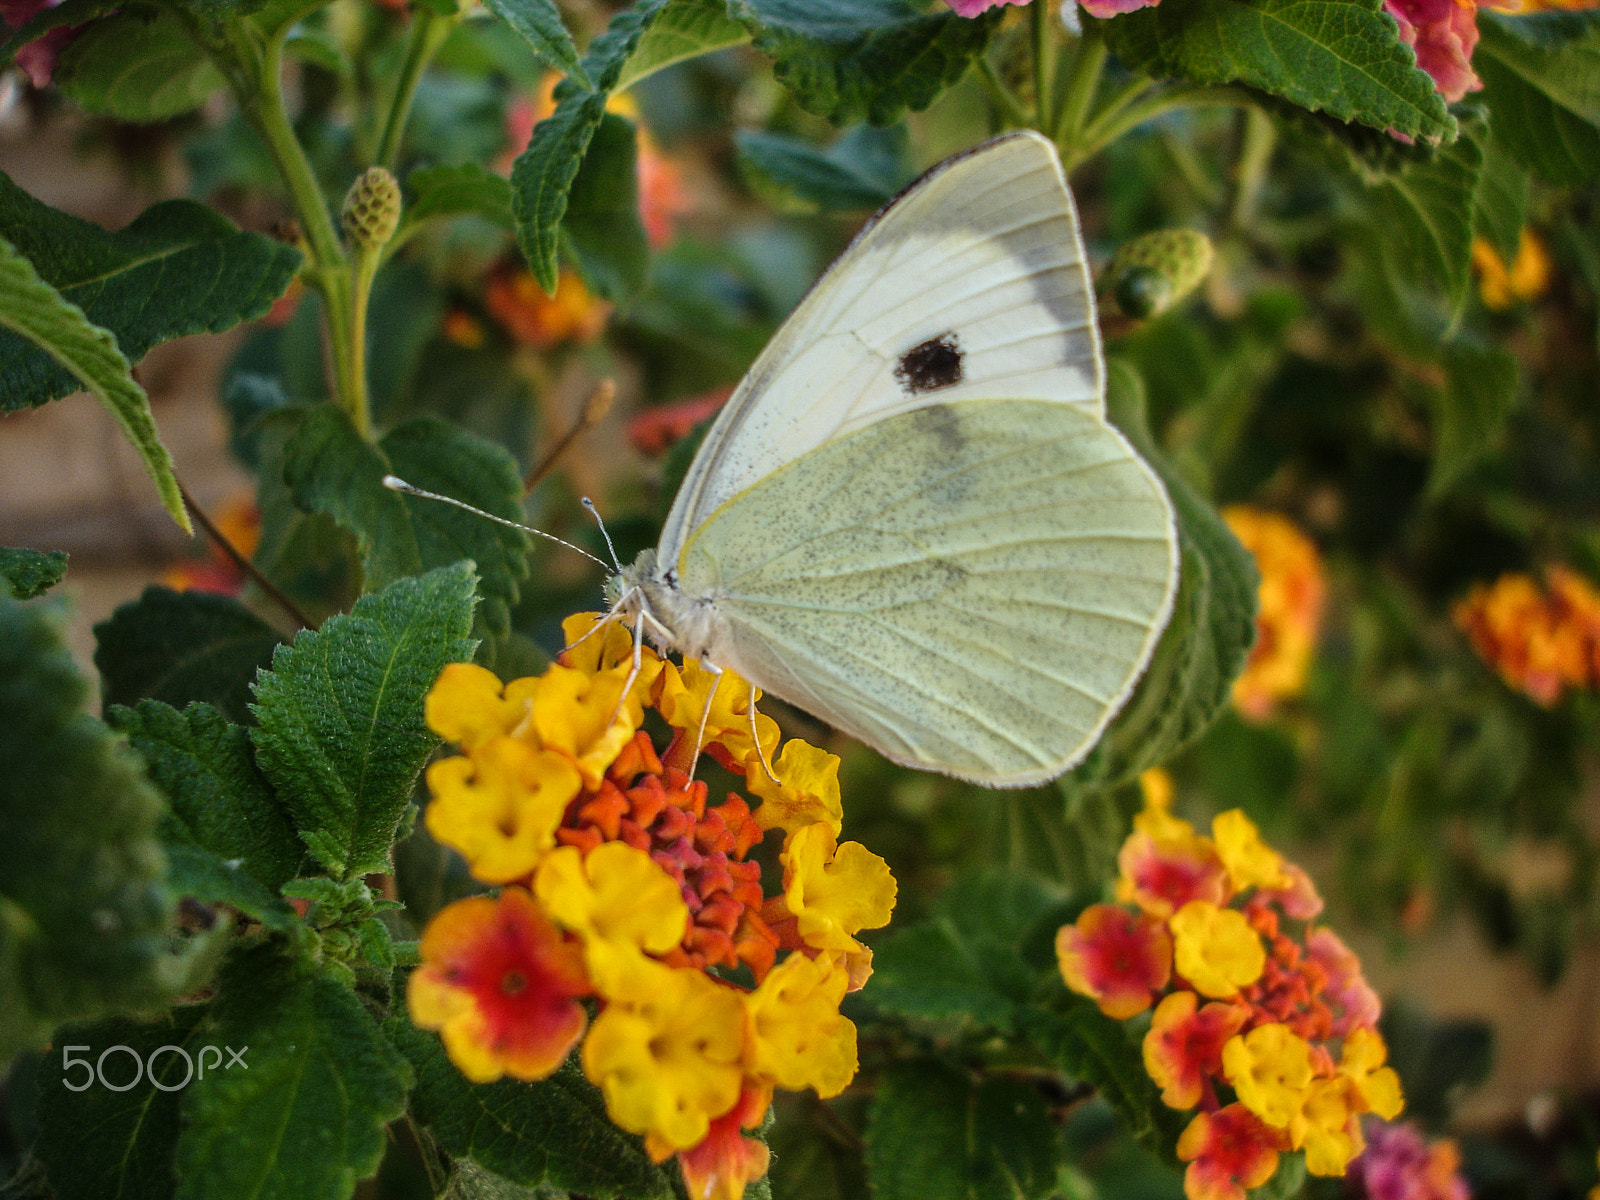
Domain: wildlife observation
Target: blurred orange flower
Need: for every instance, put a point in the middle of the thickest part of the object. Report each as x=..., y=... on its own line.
x=1291, y=599
x=1540, y=640
x=515, y=299
x=1525, y=279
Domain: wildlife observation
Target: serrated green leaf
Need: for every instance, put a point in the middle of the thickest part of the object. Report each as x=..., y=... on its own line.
x=29, y=573
x=602, y=221
x=1205, y=644
x=182, y=646
x=833, y=179
x=937, y=1134
x=554, y=1132
x=970, y=959
x=865, y=60
x=138, y=65
x=539, y=24
x=684, y=29
x=178, y=268
x=85, y=914
x=306, y=1120
x=450, y=190
x=816, y=1154
x=198, y=874
x=1541, y=77
x=1480, y=392
x=216, y=797
x=447, y=459
x=341, y=735
x=69, y=12
x=469, y=1181
x=1501, y=205
x=52, y=328
x=1341, y=57
x=117, y=1145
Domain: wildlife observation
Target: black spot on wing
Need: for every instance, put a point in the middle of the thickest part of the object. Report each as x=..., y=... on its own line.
x=935, y=364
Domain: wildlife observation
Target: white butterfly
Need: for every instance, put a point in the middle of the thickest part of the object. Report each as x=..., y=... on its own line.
x=912, y=519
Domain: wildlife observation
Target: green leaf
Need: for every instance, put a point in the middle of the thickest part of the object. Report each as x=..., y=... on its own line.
x=971, y=958
x=684, y=29
x=182, y=646
x=554, y=1132
x=865, y=60
x=306, y=1120
x=139, y=65
x=1480, y=392
x=858, y=171
x=816, y=1153
x=30, y=573
x=448, y=191
x=117, y=1145
x=602, y=220
x=54, y=329
x=69, y=12
x=1191, y=674
x=1541, y=78
x=84, y=911
x=1501, y=204
x=199, y=874
x=1341, y=57
x=937, y=1134
x=539, y=23
x=216, y=797
x=341, y=735
x=178, y=268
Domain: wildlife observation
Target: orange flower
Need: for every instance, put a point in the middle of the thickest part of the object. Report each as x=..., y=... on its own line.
x=515, y=299
x=1184, y=1045
x=1291, y=598
x=1526, y=279
x=499, y=983
x=1119, y=959
x=1540, y=641
x=725, y=1161
x=656, y=430
x=1228, y=1152
x=239, y=521
x=1163, y=874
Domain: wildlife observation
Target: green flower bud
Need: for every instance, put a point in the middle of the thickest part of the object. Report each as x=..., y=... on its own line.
x=371, y=209
x=1151, y=273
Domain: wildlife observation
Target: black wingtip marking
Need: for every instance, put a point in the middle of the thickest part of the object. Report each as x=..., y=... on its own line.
x=935, y=364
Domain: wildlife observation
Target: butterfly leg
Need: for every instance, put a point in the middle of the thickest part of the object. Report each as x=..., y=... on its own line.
x=756, y=738
x=715, y=672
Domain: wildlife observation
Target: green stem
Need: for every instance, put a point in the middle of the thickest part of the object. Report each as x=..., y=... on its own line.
x=1109, y=126
x=1082, y=83
x=428, y=32
x=1003, y=96
x=355, y=349
x=1044, y=65
x=1259, y=140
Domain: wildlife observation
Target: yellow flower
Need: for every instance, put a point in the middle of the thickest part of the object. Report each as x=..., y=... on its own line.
x=798, y=1037
x=806, y=791
x=580, y=714
x=1527, y=278
x=500, y=806
x=1325, y=1127
x=832, y=890
x=683, y=701
x=1250, y=861
x=666, y=1053
x=1156, y=819
x=1289, y=611
x=1378, y=1086
x=619, y=901
x=1215, y=949
x=465, y=706
x=1270, y=1068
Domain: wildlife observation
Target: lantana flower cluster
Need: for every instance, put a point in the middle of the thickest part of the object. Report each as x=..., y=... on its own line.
x=1541, y=641
x=625, y=893
x=1270, y=1036
x=1289, y=609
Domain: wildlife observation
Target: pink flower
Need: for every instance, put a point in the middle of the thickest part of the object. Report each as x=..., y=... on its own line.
x=37, y=58
x=1110, y=8
x=1443, y=33
x=1116, y=957
x=1228, y=1152
x=1398, y=1164
x=1348, y=995
x=971, y=8
x=1185, y=1043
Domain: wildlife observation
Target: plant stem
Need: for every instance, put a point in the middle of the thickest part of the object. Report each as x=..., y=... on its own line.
x=1044, y=65
x=1259, y=140
x=1083, y=82
x=1003, y=96
x=355, y=349
x=239, y=560
x=428, y=32
x=1111, y=125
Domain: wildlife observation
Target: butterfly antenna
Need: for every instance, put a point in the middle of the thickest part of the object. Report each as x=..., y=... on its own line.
x=595, y=513
x=396, y=484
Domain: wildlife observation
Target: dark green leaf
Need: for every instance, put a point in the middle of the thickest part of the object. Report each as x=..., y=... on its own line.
x=602, y=221
x=1502, y=199
x=1541, y=77
x=341, y=735
x=469, y=1181
x=971, y=958
x=201, y=875
x=683, y=29
x=554, y=1132
x=816, y=1153
x=1480, y=392
x=179, y=268
x=84, y=911
x=1341, y=57
x=865, y=60
x=38, y=321
x=446, y=191
x=139, y=65
x=69, y=12
x=936, y=1134
x=216, y=798
x=177, y=647
x=854, y=173
x=540, y=25
x=29, y=573
x=117, y=1145
x=306, y=1120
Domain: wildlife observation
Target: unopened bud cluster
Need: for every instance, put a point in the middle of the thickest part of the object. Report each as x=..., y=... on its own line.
x=1151, y=273
x=371, y=209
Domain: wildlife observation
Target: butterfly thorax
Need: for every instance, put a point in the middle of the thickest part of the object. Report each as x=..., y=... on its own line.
x=672, y=619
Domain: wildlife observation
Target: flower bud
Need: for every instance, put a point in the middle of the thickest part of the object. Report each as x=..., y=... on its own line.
x=371, y=209
x=1151, y=273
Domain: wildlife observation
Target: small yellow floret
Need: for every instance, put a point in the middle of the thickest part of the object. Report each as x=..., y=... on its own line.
x=1215, y=949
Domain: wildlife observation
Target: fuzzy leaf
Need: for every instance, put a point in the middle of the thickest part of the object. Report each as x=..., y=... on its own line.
x=1341, y=57
x=539, y=24
x=449, y=190
x=216, y=797
x=178, y=268
x=84, y=909
x=306, y=1120
x=37, y=321
x=1501, y=205
x=341, y=735
x=1541, y=78
x=1480, y=393
x=553, y=1133
x=29, y=573
x=937, y=1134
x=858, y=171
x=684, y=29
x=182, y=646
x=602, y=222
x=137, y=66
